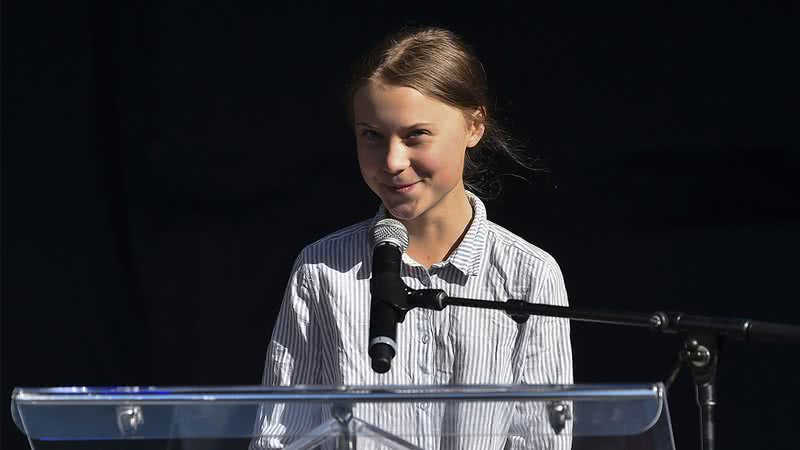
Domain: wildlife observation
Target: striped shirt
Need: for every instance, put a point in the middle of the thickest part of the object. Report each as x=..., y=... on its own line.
x=321, y=338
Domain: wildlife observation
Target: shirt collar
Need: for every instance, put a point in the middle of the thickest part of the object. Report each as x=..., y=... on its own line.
x=467, y=256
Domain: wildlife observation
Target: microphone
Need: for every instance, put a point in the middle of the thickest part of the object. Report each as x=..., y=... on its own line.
x=388, y=240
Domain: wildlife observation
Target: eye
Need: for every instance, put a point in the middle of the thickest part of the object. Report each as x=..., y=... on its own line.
x=419, y=132
x=369, y=134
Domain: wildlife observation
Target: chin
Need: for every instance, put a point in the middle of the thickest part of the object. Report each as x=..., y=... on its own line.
x=403, y=211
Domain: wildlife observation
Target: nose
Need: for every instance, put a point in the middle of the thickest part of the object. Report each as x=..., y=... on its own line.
x=396, y=157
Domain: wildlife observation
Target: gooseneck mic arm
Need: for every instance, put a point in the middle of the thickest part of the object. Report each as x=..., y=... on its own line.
x=701, y=344
x=667, y=322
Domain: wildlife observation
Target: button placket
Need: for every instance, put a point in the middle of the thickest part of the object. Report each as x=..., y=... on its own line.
x=425, y=330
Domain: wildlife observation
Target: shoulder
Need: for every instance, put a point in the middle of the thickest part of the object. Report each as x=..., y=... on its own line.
x=535, y=273
x=502, y=243
x=341, y=250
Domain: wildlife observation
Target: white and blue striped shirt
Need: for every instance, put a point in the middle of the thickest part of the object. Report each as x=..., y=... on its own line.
x=321, y=338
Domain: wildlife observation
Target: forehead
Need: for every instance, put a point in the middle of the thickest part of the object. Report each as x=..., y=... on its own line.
x=399, y=106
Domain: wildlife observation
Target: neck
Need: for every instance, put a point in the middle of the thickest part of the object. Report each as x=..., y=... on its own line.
x=434, y=235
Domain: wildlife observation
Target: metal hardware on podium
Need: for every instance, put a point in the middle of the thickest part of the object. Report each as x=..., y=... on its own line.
x=129, y=418
x=558, y=413
x=343, y=414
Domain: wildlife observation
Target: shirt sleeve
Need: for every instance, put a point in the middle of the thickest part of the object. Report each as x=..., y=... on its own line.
x=291, y=360
x=548, y=360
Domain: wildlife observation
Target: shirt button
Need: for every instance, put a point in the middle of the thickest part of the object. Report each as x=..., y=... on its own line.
x=425, y=338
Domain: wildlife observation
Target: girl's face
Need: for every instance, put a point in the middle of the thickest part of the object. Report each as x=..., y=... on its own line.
x=411, y=147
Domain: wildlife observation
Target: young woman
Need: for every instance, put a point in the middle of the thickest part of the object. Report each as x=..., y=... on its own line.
x=421, y=117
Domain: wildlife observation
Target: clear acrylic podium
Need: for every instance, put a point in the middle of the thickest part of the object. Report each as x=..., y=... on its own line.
x=363, y=417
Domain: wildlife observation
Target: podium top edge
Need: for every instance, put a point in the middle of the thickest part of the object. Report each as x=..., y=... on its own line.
x=370, y=393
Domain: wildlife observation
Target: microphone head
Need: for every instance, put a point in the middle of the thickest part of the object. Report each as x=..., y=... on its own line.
x=389, y=231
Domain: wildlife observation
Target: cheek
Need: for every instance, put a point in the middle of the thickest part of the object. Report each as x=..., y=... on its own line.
x=367, y=162
x=446, y=167
x=363, y=158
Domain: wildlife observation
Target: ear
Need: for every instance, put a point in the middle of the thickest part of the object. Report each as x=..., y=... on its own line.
x=476, y=127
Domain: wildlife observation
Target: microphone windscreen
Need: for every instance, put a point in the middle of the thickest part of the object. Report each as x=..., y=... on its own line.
x=389, y=231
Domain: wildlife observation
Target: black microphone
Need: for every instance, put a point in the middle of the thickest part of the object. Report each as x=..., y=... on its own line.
x=388, y=240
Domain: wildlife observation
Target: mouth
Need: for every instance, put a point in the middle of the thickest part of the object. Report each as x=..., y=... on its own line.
x=402, y=188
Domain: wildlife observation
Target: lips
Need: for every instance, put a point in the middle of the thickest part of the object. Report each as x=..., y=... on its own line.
x=402, y=187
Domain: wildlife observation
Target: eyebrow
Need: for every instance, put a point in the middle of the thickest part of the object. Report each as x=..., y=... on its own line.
x=420, y=124
x=410, y=127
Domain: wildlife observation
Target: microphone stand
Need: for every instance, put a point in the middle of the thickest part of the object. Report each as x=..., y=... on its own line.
x=701, y=344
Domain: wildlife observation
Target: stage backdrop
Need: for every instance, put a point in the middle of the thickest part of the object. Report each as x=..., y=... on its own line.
x=163, y=164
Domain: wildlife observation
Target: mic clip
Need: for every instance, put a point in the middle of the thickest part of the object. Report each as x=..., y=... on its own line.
x=389, y=289
x=519, y=317
x=395, y=293
x=428, y=298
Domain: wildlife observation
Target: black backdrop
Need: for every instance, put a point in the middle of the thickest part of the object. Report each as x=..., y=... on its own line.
x=163, y=163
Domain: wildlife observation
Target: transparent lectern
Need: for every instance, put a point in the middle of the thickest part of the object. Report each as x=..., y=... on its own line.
x=363, y=417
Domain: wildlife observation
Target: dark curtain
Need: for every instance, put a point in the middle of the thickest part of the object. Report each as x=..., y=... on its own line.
x=163, y=163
